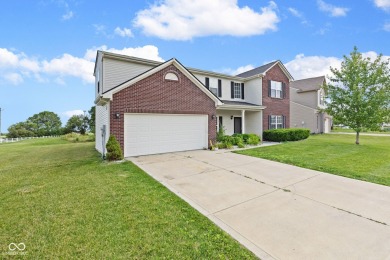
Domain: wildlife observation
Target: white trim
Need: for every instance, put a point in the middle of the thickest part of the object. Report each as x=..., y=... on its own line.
x=174, y=62
x=283, y=68
x=240, y=107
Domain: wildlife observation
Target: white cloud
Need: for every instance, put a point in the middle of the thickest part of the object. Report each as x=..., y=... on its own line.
x=68, y=15
x=237, y=71
x=386, y=27
x=312, y=66
x=146, y=52
x=68, y=65
x=383, y=4
x=13, y=78
x=100, y=29
x=71, y=113
x=16, y=66
x=125, y=32
x=331, y=9
x=8, y=58
x=297, y=14
x=186, y=19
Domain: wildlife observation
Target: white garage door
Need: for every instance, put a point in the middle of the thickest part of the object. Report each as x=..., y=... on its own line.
x=162, y=133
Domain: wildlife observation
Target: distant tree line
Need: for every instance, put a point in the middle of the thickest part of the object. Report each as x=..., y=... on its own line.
x=48, y=123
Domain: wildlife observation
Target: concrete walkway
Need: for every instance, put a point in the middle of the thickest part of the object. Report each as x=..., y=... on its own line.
x=276, y=210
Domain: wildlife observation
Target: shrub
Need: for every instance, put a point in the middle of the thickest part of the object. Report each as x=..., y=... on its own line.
x=221, y=145
x=220, y=134
x=283, y=135
x=114, y=151
x=241, y=145
x=228, y=145
x=253, y=139
x=237, y=139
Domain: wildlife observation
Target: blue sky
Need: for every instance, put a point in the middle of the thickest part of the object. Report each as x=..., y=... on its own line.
x=47, y=47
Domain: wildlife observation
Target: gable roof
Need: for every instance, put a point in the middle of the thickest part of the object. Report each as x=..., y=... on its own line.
x=309, y=84
x=108, y=94
x=263, y=70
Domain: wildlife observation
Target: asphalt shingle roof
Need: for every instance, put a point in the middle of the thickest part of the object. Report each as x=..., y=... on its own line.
x=258, y=70
x=308, y=84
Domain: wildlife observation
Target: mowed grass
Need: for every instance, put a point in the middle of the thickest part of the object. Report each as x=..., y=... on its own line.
x=336, y=154
x=63, y=202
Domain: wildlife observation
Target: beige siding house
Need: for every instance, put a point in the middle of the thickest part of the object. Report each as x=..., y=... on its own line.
x=306, y=101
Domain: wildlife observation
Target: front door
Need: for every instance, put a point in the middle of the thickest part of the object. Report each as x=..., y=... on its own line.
x=237, y=125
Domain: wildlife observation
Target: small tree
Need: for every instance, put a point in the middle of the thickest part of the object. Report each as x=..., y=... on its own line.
x=114, y=151
x=77, y=123
x=359, y=92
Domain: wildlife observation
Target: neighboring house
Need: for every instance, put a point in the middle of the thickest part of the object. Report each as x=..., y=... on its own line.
x=154, y=107
x=306, y=101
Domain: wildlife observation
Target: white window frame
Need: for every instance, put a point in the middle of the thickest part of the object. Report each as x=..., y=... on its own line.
x=276, y=89
x=276, y=122
x=237, y=90
x=321, y=98
x=214, y=90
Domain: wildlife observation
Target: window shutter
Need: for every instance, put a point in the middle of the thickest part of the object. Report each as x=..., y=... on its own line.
x=269, y=88
x=219, y=88
x=220, y=122
x=284, y=121
x=232, y=89
x=242, y=90
x=284, y=90
x=207, y=83
x=269, y=121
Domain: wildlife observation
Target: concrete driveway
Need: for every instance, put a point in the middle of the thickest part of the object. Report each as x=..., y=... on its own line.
x=276, y=210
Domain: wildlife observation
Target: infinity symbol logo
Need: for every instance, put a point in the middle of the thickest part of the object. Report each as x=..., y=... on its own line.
x=14, y=246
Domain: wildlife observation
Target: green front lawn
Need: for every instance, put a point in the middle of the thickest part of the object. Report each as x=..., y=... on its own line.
x=336, y=154
x=63, y=202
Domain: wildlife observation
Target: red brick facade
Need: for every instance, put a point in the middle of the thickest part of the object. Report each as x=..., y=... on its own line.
x=154, y=94
x=276, y=106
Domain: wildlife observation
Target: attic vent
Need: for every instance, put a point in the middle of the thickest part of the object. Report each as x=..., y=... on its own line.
x=171, y=76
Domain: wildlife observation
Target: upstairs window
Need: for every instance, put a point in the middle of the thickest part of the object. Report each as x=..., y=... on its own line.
x=213, y=87
x=321, y=98
x=237, y=90
x=276, y=89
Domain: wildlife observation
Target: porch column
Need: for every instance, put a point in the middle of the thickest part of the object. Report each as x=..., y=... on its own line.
x=243, y=121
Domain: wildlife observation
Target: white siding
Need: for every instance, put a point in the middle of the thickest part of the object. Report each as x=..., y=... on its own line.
x=253, y=91
x=102, y=118
x=226, y=89
x=227, y=122
x=253, y=88
x=116, y=72
x=254, y=122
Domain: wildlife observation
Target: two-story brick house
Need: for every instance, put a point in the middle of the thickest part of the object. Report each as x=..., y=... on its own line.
x=154, y=107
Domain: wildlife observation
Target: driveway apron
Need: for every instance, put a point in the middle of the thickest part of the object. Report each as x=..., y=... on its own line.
x=279, y=211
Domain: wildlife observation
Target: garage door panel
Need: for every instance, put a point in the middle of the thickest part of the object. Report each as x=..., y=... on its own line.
x=161, y=133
